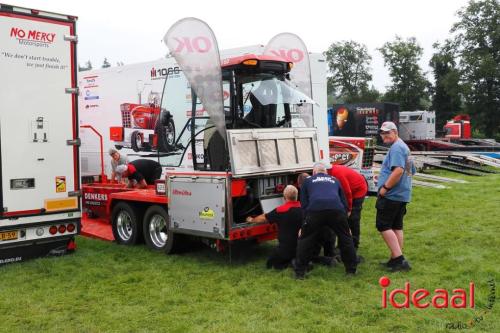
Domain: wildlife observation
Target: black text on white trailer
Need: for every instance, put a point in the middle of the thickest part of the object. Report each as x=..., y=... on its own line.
x=39, y=154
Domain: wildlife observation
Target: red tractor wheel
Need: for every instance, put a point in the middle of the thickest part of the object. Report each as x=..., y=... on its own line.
x=137, y=141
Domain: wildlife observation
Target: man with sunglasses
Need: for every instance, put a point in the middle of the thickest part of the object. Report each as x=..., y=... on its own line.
x=394, y=192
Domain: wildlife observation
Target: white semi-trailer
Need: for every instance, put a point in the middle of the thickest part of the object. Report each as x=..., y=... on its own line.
x=39, y=149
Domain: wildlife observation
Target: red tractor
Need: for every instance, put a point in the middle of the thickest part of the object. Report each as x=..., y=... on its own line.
x=145, y=127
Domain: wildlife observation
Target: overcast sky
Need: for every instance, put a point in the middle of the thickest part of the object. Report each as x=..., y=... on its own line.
x=132, y=31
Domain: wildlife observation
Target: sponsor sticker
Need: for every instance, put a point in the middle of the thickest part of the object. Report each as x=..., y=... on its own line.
x=207, y=214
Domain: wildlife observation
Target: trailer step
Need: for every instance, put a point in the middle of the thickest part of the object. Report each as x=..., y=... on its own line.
x=96, y=228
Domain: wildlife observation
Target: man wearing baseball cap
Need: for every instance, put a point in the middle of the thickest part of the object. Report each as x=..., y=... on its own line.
x=140, y=172
x=394, y=192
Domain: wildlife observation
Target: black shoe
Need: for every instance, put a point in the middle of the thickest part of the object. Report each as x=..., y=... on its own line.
x=402, y=266
x=389, y=263
x=350, y=273
x=299, y=274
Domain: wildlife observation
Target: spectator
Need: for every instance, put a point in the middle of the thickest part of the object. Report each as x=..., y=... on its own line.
x=394, y=192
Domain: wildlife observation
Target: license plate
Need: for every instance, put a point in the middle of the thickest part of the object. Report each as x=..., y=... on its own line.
x=8, y=235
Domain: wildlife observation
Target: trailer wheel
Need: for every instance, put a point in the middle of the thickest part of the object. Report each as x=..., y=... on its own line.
x=136, y=141
x=125, y=225
x=155, y=229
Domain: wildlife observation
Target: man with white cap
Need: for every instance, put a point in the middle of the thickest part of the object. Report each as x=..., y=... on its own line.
x=394, y=192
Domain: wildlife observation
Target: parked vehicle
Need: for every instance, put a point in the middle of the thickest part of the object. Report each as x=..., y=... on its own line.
x=39, y=149
x=245, y=132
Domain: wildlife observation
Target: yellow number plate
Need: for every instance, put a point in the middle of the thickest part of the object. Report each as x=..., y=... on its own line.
x=8, y=235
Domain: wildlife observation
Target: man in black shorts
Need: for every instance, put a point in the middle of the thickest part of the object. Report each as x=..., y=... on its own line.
x=140, y=173
x=394, y=192
x=288, y=217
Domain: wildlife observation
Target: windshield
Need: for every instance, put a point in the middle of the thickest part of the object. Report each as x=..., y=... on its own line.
x=271, y=102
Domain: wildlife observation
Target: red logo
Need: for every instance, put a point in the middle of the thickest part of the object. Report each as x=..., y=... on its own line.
x=200, y=44
x=33, y=35
x=419, y=298
x=292, y=55
x=181, y=192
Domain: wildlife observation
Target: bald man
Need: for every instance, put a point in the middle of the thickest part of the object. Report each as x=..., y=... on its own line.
x=288, y=217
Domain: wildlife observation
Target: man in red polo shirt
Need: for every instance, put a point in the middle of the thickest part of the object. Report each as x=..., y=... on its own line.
x=355, y=188
x=289, y=218
x=140, y=172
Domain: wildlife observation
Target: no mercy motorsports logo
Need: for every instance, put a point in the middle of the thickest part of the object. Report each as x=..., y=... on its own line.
x=32, y=35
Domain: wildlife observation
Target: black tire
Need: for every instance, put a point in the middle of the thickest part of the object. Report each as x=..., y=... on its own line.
x=126, y=224
x=166, y=135
x=119, y=147
x=157, y=235
x=136, y=141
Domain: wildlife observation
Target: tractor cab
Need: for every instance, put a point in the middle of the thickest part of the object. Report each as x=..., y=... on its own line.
x=256, y=94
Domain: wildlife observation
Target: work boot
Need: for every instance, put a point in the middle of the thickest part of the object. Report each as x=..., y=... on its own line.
x=401, y=266
x=299, y=274
x=389, y=263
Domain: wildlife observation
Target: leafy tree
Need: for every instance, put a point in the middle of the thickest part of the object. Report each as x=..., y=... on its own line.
x=408, y=82
x=476, y=41
x=106, y=63
x=348, y=62
x=446, y=91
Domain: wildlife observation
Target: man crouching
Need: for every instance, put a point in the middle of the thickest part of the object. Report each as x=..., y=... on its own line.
x=288, y=217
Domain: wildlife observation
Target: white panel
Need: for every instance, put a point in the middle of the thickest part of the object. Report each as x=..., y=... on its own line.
x=36, y=115
x=279, y=150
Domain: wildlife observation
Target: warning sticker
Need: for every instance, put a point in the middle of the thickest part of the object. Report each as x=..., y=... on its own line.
x=60, y=184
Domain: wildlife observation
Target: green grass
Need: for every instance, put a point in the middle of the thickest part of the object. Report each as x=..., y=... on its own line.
x=452, y=237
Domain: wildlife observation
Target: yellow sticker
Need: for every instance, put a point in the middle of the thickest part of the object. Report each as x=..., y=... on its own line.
x=52, y=205
x=60, y=184
x=207, y=214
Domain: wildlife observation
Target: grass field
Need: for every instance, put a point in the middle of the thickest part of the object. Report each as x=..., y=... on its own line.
x=452, y=238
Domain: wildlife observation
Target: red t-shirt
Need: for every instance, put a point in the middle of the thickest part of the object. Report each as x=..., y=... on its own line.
x=353, y=183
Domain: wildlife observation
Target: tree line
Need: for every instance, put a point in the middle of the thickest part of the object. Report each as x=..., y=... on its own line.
x=465, y=71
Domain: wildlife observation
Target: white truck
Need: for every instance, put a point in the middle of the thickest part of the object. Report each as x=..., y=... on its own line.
x=116, y=102
x=39, y=150
x=245, y=126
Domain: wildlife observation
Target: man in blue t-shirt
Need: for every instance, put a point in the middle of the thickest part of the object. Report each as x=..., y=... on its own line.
x=394, y=192
x=324, y=204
